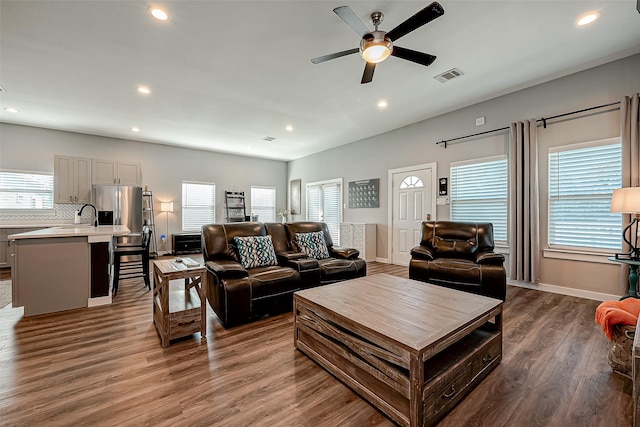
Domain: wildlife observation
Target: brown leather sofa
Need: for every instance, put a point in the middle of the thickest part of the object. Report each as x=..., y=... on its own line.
x=342, y=264
x=239, y=295
x=459, y=256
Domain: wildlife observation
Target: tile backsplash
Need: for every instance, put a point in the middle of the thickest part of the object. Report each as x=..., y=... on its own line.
x=62, y=213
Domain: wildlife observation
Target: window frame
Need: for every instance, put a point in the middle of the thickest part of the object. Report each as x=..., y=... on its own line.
x=273, y=208
x=34, y=211
x=565, y=251
x=477, y=161
x=185, y=206
x=329, y=182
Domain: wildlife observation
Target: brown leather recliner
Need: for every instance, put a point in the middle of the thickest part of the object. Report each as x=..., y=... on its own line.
x=238, y=295
x=342, y=264
x=459, y=256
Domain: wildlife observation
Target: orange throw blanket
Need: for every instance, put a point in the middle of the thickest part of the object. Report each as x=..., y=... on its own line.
x=611, y=313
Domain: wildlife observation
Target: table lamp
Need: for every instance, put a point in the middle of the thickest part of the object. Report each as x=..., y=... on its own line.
x=627, y=200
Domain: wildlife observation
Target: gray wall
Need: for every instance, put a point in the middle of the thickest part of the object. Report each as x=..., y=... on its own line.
x=163, y=167
x=415, y=144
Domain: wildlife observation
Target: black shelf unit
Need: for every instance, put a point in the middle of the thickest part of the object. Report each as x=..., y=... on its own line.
x=235, y=205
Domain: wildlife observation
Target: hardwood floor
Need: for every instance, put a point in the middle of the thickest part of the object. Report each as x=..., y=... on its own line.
x=105, y=366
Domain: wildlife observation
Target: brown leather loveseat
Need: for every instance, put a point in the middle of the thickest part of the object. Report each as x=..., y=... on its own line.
x=459, y=256
x=265, y=284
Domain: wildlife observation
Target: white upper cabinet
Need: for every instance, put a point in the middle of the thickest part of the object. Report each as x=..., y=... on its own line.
x=71, y=179
x=116, y=172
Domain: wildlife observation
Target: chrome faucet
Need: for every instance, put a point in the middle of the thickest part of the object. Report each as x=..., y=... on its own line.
x=95, y=212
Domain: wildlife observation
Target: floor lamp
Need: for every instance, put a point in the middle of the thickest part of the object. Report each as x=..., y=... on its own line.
x=166, y=207
x=627, y=200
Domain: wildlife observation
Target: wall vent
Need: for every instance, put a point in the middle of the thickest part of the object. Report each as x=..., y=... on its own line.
x=448, y=75
x=268, y=138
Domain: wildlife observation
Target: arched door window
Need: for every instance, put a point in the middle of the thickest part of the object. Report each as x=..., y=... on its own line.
x=411, y=182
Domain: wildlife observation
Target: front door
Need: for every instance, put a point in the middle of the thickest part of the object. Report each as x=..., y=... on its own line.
x=412, y=190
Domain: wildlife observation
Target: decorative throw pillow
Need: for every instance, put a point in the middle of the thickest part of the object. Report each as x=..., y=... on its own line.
x=256, y=251
x=312, y=244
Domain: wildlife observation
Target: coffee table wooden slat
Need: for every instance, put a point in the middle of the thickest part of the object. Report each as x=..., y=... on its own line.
x=411, y=349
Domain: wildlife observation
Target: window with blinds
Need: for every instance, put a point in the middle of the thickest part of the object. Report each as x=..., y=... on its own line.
x=263, y=203
x=479, y=191
x=198, y=205
x=26, y=190
x=582, y=178
x=324, y=201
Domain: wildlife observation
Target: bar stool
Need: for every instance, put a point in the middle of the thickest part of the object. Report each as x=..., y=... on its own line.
x=138, y=267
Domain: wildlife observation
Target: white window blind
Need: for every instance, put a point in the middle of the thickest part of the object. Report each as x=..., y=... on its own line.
x=582, y=178
x=479, y=191
x=198, y=205
x=26, y=190
x=324, y=201
x=263, y=203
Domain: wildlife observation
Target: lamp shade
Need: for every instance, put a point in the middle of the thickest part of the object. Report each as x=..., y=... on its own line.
x=166, y=207
x=626, y=200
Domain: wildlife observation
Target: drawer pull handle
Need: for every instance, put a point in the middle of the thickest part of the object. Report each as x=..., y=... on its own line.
x=450, y=394
x=487, y=359
x=186, y=323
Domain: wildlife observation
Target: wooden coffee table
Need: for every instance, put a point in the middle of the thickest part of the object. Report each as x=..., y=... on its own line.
x=412, y=349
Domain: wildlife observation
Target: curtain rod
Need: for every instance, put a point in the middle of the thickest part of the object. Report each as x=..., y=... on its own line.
x=543, y=120
x=446, y=141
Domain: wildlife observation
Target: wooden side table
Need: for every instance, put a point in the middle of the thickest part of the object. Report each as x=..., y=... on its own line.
x=182, y=312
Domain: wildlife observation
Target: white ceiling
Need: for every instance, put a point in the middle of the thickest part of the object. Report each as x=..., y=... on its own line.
x=226, y=74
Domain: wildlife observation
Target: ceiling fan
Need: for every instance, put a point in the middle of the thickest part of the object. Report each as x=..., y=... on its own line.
x=376, y=46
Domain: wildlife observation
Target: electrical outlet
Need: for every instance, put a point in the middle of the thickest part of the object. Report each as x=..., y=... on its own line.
x=480, y=121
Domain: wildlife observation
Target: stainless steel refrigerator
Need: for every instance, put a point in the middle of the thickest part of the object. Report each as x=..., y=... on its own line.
x=120, y=205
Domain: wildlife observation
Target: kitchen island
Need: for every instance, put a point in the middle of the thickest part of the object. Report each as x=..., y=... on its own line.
x=63, y=268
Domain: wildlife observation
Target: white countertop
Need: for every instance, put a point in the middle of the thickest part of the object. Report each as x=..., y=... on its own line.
x=73, y=231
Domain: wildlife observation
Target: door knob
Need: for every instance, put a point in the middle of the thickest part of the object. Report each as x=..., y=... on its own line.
x=428, y=217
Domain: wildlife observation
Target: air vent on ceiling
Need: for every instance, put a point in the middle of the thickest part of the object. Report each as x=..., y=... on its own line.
x=448, y=75
x=268, y=138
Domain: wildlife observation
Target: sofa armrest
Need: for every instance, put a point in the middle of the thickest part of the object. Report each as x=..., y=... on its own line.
x=420, y=252
x=489, y=258
x=290, y=255
x=227, y=269
x=344, y=253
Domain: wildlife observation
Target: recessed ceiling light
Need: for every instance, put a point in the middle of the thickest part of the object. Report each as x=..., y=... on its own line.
x=143, y=89
x=588, y=18
x=12, y=110
x=289, y=128
x=159, y=14
x=135, y=129
x=249, y=148
x=382, y=104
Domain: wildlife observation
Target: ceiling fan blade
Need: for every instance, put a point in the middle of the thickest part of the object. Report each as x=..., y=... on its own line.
x=413, y=55
x=324, y=58
x=351, y=20
x=367, y=76
x=428, y=14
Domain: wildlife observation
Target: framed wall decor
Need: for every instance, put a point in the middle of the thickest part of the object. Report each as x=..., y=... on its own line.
x=294, y=194
x=364, y=193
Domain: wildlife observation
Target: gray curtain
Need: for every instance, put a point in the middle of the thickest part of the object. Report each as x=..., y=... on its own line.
x=524, y=218
x=629, y=130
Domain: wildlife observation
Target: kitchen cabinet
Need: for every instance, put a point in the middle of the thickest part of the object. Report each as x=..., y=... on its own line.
x=71, y=179
x=116, y=172
x=361, y=237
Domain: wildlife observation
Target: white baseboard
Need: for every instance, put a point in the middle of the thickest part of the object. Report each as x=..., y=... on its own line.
x=597, y=296
x=383, y=260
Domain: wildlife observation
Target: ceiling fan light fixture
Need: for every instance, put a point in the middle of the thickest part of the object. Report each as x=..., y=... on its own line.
x=375, y=47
